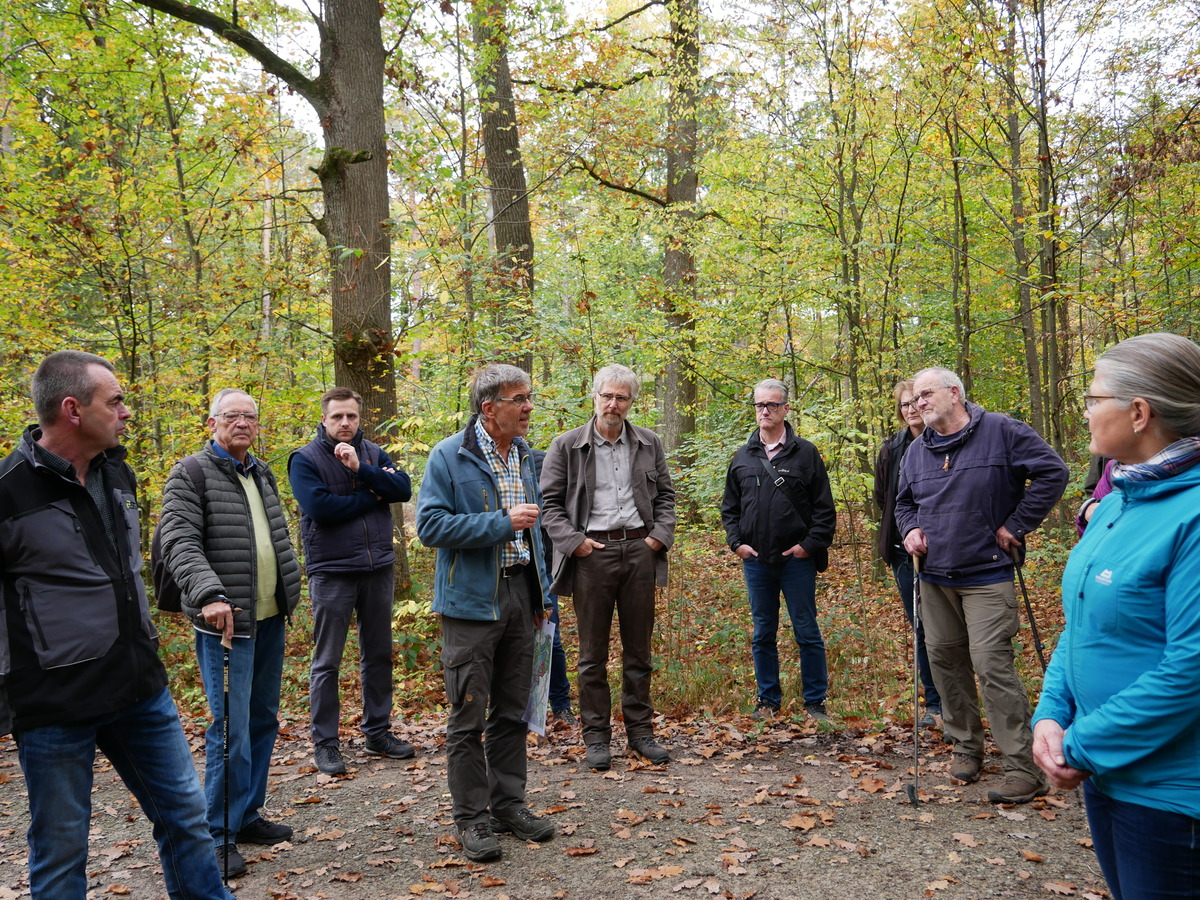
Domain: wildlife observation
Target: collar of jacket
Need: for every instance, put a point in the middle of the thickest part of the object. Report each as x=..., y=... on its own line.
x=789, y=438
x=584, y=438
x=29, y=439
x=470, y=444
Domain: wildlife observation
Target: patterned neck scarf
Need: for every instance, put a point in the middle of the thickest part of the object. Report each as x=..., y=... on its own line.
x=1178, y=457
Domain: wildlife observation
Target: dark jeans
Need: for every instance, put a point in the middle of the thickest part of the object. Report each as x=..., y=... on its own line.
x=146, y=746
x=1144, y=853
x=335, y=598
x=618, y=577
x=560, y=687
x=488, y=667
x=255, y=675
x=902, y=570
x=797, y=580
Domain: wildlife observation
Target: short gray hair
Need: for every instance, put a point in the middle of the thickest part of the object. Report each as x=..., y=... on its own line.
x=488, y=382
x=1161, y=368
x=219, y=398
x=771, y=384
x=617, y=374
x=946, y=378
x=61, y=375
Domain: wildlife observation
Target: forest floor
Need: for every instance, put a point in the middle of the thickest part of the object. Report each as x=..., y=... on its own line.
x=745, y=810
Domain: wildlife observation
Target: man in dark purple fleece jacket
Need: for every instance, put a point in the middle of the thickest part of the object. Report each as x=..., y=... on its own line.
x=971, y=488
x=345, y=486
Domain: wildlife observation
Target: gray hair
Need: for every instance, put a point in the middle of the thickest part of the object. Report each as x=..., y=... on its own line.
x=771, y=384
x=488, y=382
x=946, y=378
x=61, y=375
x=617, y=374
x=219, y=397
x=1161, y=368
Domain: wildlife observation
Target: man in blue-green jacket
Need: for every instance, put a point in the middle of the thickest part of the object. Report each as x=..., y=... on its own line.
x=479, y=505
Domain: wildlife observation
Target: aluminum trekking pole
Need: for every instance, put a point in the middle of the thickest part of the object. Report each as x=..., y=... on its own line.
x=912, y=789
x=1037, y=638
x=226, y=645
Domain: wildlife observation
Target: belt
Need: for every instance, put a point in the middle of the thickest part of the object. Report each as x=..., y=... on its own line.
x=512, y=571
x=621, y=534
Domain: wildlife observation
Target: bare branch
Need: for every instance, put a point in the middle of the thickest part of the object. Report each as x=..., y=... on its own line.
x=582, y=165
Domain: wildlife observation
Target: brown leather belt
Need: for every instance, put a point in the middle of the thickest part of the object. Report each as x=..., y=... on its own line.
x=622, y=534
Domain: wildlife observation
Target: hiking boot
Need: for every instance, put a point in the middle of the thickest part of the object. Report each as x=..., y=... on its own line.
x=651, y=750
x=565, y=716
x=264, y=831
x=929, y=720
x=479, y=843
x=1018, y=789
x=227, y=855
x=524, y=825
x=329, y=760
x=965, y=767
x=765, y=711
x=390, y=746
x=599, y=757
x=817, y=711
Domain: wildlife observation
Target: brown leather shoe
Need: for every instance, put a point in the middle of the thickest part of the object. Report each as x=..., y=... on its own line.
x=965, y=767
x=1018, y=789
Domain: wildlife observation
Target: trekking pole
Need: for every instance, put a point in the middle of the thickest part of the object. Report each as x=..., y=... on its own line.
x=226, y=645
x=1037, y=639
x=912, y=789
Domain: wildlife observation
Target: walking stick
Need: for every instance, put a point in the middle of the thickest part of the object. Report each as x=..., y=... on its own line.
x=226, y=645
x=1037, y=639
x=912, y=789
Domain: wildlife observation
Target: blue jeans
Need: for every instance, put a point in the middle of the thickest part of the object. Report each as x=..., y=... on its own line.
x=1144, y=853
x=560, y=687
x=255, y=674
x=146, y=746
x=902, y=570
x=797, y=579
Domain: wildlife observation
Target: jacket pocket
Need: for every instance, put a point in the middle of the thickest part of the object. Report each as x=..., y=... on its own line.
x=68, y=625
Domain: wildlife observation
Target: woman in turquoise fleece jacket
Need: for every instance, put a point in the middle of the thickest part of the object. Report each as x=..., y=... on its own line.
x=1119, y=711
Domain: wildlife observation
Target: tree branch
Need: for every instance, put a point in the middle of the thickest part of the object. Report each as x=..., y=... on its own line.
x=581, y=164
x=308, y=88
x=584, y=85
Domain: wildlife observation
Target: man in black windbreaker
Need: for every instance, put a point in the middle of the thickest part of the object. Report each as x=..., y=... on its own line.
x=779, y=519
x=79, y=666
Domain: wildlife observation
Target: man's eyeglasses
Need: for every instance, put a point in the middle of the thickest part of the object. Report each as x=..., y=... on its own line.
x=768, y=406
x=520, y=399
x=1090, y=400
x=620, y=398
x=928, y=393
x=231, y=417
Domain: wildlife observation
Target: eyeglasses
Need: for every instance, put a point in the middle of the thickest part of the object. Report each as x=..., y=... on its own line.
x=768, y=406
x=1090, y=400
x=231, y=417
x=620, y=398
x=908, y=404
x=520, y=399
x=928, y=393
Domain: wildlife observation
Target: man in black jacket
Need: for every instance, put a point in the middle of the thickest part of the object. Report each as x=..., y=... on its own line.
x=345, y=486
x=83, y=669
x=779, y=519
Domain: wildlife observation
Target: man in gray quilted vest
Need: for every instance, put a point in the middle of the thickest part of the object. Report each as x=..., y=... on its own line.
x=228, y=549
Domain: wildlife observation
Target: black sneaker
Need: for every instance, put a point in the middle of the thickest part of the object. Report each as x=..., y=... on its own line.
x=230, y=862
x=479, y=843
x=599, y=757
x=264, y=831
x=390, y=746
x=765, y=711
x=329, y=760
x=817, y=711
x=524, y=825
x=651, y=749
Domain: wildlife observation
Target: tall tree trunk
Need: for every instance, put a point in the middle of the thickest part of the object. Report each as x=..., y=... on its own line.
x=678, y=391
x=512, y=235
